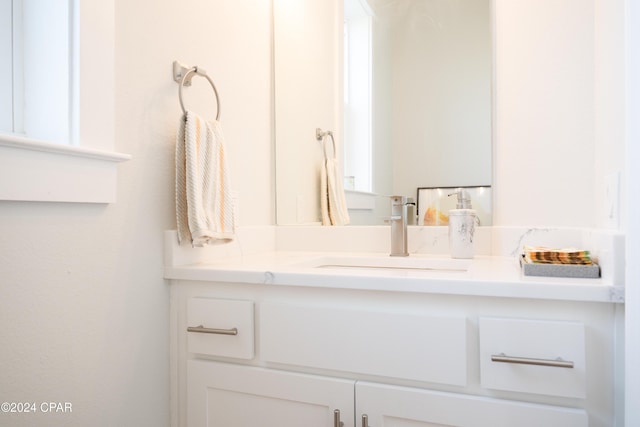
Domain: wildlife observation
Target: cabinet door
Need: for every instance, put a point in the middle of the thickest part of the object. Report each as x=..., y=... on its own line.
x=225, y=395
x=391, y=406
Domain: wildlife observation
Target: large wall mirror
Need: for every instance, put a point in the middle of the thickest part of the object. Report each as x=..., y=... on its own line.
x=406, y=87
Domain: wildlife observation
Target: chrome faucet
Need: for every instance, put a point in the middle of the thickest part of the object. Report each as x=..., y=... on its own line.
x=399, y=226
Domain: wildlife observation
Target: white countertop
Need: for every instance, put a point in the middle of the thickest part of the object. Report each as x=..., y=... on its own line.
x=490, y=276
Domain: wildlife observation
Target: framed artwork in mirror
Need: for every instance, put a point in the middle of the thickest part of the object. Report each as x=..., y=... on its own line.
x=434, y=203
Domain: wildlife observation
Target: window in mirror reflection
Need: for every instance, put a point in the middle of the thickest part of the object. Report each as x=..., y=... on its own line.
x=357, y=95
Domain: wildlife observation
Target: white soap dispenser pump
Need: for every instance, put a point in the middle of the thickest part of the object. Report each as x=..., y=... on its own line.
x=462, y=226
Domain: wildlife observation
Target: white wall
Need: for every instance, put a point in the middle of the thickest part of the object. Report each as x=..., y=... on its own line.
x=83, y=306
x=559, y=106
x=441, y=95
x=544, y=155
x=610, y=92
x=632, y=305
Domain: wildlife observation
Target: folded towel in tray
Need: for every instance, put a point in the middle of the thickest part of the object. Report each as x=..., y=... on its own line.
x=543, y=255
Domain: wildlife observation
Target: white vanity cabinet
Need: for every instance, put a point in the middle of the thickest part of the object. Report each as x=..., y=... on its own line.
x=309, y=356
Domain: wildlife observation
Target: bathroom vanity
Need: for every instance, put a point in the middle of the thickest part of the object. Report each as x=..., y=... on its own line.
x=316, y=339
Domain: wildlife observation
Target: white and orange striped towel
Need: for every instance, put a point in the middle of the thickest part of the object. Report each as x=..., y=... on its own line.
x=204, y=206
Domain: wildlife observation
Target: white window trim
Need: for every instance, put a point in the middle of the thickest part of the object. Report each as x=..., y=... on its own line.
x=33, y=170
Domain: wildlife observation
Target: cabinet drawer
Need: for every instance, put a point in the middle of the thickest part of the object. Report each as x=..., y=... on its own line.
x=530, y=356
x=219, y=327
x=391, y=344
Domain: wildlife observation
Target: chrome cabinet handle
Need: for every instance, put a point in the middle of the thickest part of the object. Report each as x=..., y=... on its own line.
x=336, y=419
x=365, y=420
x=201, y=329
x=555, y=363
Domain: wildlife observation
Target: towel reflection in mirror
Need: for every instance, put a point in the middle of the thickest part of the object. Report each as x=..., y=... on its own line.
x=333, y=204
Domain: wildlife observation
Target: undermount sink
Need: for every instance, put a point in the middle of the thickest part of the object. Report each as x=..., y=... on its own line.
x=389, y=263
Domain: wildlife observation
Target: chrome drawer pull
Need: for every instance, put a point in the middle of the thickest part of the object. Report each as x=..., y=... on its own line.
x=201, y=329
x=555, y=363
x=365, y=420
x=336, y=419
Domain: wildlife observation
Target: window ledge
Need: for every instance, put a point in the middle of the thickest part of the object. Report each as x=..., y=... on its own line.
x=32, y=170
x=360, y=200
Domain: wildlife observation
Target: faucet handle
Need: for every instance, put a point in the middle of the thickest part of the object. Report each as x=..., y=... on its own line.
x=404, y=200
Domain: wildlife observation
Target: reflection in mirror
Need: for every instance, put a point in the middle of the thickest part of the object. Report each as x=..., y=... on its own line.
x=416, y=103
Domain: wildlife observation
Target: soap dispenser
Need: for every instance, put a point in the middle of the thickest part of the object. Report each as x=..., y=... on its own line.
x=462, y=226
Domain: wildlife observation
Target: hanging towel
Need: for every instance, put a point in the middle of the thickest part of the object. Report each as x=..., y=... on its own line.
x=332, y=200
x=204, y=207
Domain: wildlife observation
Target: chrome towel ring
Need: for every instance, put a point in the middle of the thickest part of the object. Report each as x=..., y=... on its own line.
x=320, y=136
x=183, y=76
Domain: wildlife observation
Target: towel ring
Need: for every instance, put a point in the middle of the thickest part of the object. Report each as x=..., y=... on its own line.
x=320, y=136
x=333, y=141
x=186, y=79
